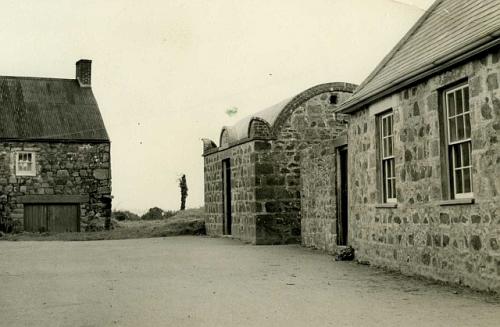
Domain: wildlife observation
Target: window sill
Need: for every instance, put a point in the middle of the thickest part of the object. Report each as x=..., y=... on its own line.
x=456, y=202
x=25, y=174
x=386, y=205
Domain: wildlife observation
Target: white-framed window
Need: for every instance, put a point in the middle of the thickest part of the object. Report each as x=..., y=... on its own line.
x=388, y=173
x=25, y=163
x=459, y=144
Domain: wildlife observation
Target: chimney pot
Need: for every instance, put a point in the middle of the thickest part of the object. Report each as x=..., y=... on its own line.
x=84, y=72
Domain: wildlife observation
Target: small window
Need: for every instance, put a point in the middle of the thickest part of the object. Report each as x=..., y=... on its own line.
x=333, y=99
x=459, y=144
x=387, y=163
x=25, y=164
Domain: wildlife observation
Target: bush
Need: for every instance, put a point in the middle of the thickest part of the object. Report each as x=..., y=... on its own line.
x=122, y=215
x=153, y=214
x=158, y=214
x=169, y=213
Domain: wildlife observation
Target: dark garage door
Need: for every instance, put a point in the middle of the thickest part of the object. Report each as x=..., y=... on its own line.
x=52, y=217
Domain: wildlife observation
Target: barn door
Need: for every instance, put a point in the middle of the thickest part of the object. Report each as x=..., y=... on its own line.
x=63, y=218
x=35, y=218
x=56, y=218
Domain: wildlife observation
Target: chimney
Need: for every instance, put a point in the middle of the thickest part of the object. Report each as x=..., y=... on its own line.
x=84, y=72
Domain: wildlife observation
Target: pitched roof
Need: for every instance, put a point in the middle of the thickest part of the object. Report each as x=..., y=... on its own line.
x=449, y=29
x=49, y=109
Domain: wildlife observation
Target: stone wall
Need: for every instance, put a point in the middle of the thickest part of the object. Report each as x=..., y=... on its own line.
x=310, y=123
x=61, y=169
x=455, y=243
x=243, y=191
x=213, y=194
x=319, y=196
x=265, y=167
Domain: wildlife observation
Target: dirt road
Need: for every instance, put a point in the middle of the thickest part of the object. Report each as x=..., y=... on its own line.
x=197, y=281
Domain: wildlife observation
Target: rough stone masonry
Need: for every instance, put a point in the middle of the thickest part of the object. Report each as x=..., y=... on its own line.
x=265, y=164
x=423, y=234
x=62, y=169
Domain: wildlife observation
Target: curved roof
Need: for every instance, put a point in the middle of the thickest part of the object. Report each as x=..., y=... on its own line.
x=277, y=114
x=446, y=31
x=240, y=130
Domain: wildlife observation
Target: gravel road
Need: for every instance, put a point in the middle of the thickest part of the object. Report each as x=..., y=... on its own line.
x=200, y=281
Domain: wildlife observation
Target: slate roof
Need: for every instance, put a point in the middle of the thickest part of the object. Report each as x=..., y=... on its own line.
x=49, y=109
x=447, y=30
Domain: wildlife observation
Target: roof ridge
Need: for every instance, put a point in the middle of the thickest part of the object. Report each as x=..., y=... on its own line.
x=38, y=78
x=400, y=44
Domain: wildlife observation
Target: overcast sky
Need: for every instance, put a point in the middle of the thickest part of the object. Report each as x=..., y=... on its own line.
x=165, y=72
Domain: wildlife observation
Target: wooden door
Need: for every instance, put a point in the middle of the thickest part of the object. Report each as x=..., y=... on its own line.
x=55, y=218
x=35, y=218
x=226, y=189
x=63, y=218
x=343, y=201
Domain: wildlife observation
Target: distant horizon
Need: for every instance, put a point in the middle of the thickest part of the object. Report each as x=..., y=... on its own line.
x=166, y=75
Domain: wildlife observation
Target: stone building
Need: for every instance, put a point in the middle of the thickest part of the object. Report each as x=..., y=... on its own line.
x=252, y=180
x=55, y=170
x=424, y=152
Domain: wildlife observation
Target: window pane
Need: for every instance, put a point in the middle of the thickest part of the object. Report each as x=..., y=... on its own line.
x=384, y=178
x=453, y=129
x=393, y=171
x=466, y=155
x=389, y=169
x=459, y=109
x=461, y=127
x=451, y=105
x=458, y=182
x=394, y=188
x=457, y=156
x=466, y=99
x=467, y=180
x=386, y=147
x=28, y=156
x=389, y=188
x=384, y=127
x=467, y=125
x=389, y=141
x=460, y=105
x=389, y=125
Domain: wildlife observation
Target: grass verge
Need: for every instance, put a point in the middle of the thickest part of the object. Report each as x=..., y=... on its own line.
x=188, y=222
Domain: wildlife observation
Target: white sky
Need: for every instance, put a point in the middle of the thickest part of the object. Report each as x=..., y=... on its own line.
x=165, y=72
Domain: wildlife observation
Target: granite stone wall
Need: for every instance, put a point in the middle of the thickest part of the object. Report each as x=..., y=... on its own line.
x=425, y=235
x=213, y=194
x=310, y=123
x=242, y=191
x=61, y=169
x=319, y=196
x=265, y=170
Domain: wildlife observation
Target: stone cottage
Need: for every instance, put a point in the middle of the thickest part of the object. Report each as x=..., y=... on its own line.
x=252, y=180
x=424, y=151
x=55, y=172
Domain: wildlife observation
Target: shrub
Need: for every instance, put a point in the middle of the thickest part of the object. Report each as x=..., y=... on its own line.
x=122, y=215
x=169, y=213
x=153, y=214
